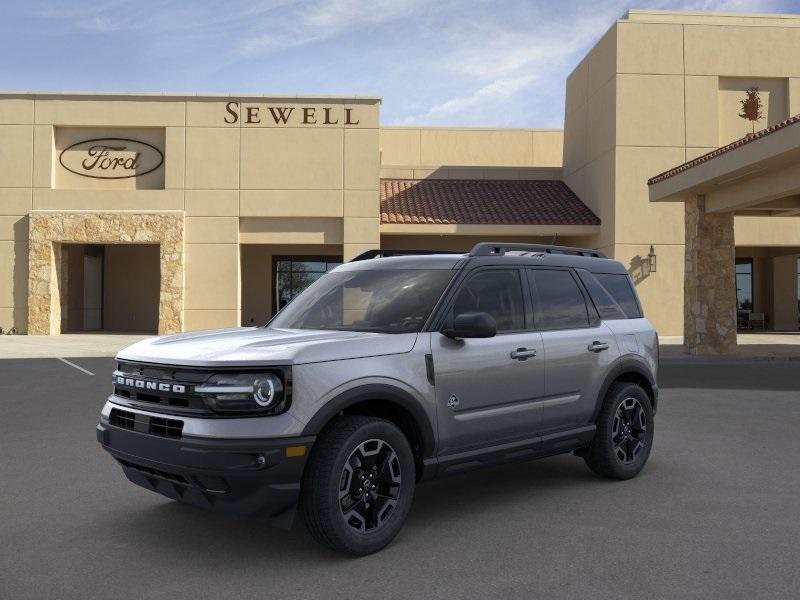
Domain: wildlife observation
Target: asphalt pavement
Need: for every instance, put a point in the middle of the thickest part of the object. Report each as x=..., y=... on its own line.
x=715, y=514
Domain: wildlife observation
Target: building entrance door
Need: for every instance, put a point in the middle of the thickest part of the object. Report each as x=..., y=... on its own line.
x=93, y=258
x=111, y=287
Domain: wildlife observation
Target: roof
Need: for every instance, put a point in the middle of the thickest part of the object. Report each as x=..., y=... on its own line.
x=176, y=95
x=482, y=202
x=750, y=137
x=452, y=261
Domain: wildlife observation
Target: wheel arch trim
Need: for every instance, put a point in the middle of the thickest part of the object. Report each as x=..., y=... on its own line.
x=376, y=392
x=622, y=366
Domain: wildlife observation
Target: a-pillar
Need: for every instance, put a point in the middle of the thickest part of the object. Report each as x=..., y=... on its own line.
x=710, y=281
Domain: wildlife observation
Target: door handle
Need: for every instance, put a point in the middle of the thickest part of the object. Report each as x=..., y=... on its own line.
x=522, y=354
x=597, y=346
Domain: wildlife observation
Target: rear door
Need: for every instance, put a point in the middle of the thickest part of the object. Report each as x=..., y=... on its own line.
x=578, y=347
x=487, y=389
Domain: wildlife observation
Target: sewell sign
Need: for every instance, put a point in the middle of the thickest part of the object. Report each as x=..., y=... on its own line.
x=111, y=158
x=269, y=116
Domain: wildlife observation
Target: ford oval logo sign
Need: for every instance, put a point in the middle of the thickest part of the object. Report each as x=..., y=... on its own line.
x=111, y=158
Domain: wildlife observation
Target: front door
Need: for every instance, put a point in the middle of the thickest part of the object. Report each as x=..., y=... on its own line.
x=578, y=348
x=487, y=389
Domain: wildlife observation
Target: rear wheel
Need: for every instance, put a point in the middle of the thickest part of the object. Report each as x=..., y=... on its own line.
x=358, y=485
x=624, y=434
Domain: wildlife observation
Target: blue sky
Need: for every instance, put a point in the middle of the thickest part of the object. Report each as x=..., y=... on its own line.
x=445, y=62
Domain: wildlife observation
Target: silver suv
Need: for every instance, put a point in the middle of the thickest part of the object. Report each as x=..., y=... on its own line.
x=388, y=371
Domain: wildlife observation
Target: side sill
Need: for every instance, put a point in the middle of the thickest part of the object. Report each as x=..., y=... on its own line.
x=526, y=449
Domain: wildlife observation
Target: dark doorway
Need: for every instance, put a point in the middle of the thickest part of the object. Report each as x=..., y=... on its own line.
x=112, y=287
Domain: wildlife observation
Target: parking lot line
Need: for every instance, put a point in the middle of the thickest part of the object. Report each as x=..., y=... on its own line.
x=72, y=364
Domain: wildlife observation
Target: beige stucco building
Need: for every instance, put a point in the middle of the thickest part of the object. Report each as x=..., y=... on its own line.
x=173, y=212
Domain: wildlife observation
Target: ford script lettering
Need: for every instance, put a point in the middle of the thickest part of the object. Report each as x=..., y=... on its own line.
x=155, y=386
x=111, y=158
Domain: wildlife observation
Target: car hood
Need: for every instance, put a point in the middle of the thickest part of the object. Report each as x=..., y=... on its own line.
x=252, y=346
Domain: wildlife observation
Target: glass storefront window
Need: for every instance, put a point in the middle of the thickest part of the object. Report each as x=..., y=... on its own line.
x=293, y=274
x=744, y=284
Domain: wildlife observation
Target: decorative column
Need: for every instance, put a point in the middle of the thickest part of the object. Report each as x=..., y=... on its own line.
x=710, y=281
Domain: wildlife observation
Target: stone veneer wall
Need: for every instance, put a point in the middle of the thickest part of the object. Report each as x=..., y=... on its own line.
x=710, y=281
x=47, y=272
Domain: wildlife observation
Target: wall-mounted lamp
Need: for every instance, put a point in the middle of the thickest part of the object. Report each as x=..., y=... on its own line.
x=652, y=258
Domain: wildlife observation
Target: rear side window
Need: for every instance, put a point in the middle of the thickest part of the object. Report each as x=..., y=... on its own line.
x=620, y=288
x=607, y=307
x=559, y=301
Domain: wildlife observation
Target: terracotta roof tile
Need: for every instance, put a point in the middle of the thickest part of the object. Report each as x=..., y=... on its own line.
x=750, y=137
x=482, y=201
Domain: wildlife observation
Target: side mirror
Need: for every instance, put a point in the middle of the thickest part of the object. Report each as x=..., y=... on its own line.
x=472, y=325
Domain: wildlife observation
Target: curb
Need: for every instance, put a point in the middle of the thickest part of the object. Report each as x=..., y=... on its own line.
x=724, y=360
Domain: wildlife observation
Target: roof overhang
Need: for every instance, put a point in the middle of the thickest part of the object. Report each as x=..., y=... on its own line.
x=487, y=229
x=757, y=173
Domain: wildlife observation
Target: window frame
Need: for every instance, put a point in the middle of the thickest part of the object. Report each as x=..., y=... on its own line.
x=441, y=319
x=592, y=317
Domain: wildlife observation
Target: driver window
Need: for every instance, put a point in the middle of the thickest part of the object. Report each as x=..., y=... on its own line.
x=496, y=292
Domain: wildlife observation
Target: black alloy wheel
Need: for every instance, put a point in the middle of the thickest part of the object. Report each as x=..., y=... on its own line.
x=629, y=430
x=370, y=485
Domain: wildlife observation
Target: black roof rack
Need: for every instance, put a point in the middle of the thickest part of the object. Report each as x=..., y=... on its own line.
x=378, y=253
x=500, y=248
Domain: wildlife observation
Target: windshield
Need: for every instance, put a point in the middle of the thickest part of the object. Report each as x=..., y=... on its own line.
x=384, y=301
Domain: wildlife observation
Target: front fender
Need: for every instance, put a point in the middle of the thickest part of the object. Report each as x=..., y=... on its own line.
x=393, y=391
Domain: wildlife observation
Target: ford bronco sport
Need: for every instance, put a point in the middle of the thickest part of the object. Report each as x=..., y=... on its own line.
x=388, y=371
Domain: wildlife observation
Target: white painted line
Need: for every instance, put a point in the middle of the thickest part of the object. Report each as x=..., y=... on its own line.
x=72, y=364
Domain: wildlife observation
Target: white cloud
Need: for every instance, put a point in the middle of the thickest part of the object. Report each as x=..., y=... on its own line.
x=311, y=22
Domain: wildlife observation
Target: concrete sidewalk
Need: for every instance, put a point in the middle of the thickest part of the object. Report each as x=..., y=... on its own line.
x=66, y=345
x=773, y=345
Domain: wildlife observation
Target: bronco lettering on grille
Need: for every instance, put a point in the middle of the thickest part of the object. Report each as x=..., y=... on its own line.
x=143, y=384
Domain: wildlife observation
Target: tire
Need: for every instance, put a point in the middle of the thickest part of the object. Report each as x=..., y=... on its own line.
x=619, y=451
x=337, y=510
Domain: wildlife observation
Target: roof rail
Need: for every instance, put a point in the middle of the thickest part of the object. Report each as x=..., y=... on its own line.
x=378, y=253
x=500, y=248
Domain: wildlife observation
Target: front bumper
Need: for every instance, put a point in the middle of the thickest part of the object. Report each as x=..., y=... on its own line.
x=241, y=476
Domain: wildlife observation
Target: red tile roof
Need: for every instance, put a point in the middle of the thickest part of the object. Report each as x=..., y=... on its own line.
x=750, y=137
x=482, y=201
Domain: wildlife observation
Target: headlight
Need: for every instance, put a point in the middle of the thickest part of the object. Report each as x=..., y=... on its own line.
x=245, y=392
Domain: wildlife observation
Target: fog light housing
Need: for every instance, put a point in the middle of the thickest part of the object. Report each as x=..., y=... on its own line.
x=244, y=393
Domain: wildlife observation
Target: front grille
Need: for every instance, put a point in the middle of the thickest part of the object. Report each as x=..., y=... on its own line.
x=166, y=427
x=172, y=428
x=156, y=472
x=162, y=388
x=122, y=418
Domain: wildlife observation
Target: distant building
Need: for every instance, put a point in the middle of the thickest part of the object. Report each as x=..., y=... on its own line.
x=159, y=212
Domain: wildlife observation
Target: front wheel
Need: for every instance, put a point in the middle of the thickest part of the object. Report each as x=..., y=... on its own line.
x=624, y=434
x=358, y=485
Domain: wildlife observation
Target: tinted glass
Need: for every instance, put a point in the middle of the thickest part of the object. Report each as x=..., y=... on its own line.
x=560, y=303
x=294, y=274
x=387, y=301
x=496, y=292
x=621, y=290
x=744, y=283
x=606, y=306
